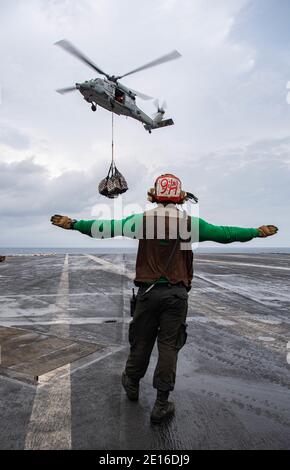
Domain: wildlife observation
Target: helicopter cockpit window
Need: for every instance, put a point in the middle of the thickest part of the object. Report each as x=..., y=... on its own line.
x=119, y=96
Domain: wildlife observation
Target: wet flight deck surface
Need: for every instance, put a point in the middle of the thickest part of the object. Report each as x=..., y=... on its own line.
x=233, y=379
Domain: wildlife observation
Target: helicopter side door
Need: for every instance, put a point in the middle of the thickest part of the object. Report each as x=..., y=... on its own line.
x=120, y=96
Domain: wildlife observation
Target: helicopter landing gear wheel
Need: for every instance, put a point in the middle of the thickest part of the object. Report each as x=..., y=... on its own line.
x=150, y=132
x=93, y=107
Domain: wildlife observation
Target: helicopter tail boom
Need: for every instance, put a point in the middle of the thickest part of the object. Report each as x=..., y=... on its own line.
x=164, y=123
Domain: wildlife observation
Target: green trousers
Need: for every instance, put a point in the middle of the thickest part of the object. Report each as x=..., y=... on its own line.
x=160, y=313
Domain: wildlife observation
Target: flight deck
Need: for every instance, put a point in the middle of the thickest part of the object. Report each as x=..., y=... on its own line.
x=64, y=342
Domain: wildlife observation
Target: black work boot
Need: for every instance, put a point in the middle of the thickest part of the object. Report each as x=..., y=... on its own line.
x=131, y=387
x=163, y=409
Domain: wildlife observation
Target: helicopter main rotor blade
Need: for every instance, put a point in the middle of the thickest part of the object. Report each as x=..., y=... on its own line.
x=69, y=47
x=165, y=58
x=68, y=89
x=141, y=95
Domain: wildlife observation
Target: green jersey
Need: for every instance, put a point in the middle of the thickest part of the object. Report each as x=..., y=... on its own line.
x=128, y=227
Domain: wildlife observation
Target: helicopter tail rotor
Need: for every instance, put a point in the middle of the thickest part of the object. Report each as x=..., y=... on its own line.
x=158, y=116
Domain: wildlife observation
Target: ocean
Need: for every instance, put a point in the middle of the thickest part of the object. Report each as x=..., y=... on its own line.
x=110, y=250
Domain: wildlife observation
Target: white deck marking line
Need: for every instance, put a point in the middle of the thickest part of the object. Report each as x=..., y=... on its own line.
x=121, y=270
x=269, y=339
x=111, y=267
x=199, y=260
x=60, y=321
x=77, y=294
x=50, y=421
x=82, y=363
x=96, y=321
x=126, y=320
x=6, y=378
x=235, y=290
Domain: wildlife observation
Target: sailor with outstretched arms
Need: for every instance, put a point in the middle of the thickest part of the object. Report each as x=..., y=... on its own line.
x=164, y=271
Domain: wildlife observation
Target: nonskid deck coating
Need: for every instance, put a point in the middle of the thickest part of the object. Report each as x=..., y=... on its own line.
x=232, y=387
x=29, y=354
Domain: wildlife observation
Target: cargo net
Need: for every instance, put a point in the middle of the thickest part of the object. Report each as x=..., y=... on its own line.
x=114, y=183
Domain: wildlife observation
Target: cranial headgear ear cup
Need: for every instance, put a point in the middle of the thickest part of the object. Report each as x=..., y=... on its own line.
x=183, y=197
x=151, y=195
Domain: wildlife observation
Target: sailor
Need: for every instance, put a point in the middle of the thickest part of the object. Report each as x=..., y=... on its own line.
x=164, y=271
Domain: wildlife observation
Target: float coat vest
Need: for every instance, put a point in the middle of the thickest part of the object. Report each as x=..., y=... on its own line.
x=161, y=227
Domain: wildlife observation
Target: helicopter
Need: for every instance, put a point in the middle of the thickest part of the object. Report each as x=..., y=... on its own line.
x=111, y=94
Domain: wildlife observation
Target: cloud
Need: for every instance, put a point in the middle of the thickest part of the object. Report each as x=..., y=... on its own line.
x=196, y=87
x=28, y=190
x=251, y=189
x=227, y=96
x=14, y=138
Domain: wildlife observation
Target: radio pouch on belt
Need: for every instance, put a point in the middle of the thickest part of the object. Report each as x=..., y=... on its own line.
x=133, y=301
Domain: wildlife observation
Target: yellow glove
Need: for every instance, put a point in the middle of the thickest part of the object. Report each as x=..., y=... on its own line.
x=62, y=221
x=267, y=230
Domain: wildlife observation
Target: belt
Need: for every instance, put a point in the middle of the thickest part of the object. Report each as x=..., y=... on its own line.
x=160, y=284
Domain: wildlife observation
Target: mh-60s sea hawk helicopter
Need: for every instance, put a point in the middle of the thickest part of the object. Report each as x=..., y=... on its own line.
x=112, y=95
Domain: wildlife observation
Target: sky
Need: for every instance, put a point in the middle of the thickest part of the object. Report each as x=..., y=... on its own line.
x=227, y=94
